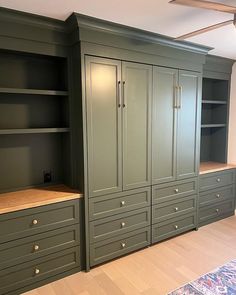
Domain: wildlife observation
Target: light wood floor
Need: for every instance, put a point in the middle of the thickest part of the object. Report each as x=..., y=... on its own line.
x=155, y=270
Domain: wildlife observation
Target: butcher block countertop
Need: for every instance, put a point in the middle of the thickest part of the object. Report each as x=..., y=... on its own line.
x=208, y=167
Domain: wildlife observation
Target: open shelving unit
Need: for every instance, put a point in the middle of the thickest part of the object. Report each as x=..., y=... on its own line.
x=34, y=120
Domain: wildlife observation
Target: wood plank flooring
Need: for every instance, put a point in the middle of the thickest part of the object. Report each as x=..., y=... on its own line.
x=155, y=270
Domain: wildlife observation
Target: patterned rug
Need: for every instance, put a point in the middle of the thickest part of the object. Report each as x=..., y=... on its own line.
x=221, y=281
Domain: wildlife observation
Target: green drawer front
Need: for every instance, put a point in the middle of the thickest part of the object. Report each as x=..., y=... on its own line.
x=216, y=210
x=36, y=246
x=25, y=274
x=172, y=209
x=109, y=205
x=217, y=179
x=217, y=195
x=112, y=226
x=173, y=227
x=115, y=247
x=19, y=224
x=173, y=191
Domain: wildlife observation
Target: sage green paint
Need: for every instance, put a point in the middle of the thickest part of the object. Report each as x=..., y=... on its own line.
x=216, y=179
x=216, y=195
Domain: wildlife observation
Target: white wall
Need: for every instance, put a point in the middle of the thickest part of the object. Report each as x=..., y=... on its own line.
x=232, y=120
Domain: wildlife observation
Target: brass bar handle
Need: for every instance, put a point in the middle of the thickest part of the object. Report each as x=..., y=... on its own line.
x=176, y=94
x=124, y=103
x=180, y=97
x=119, y=94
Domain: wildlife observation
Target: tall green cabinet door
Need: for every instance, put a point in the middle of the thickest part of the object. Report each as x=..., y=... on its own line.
x=103, y=102
x=164, y=116
x=188, y=124
x=137, y=93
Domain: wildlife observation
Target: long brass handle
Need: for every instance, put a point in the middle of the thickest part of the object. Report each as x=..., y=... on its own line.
x=124, y=103
x=176, y=93
x=119, y=94
x=180, y=97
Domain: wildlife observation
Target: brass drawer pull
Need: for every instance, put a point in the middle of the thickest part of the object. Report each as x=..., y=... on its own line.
x=36, y=271
x=176, y=227
x=218, y=180
x=176, y=209
x=123, y=245
x=122, y=224
x=176, y=190
x=36, y=247
x=217, y=210
x=35, y=221
x=217, y=195
x=122, y=203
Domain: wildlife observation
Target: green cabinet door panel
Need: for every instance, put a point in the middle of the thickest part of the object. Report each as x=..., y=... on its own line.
x=188, y=124
x=164, y=125
x=104, y=125
x=137, y=93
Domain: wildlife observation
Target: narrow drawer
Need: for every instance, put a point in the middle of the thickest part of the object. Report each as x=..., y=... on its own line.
x=28, y=273
x=217, y=209
x=32, y=221
x=163, y=211
x=109, y=205
x=112, y=226
x=173, y=227
x=173, y=191
x=36, y=246
x=115, y=247
x=217, y=195
x=216, y=179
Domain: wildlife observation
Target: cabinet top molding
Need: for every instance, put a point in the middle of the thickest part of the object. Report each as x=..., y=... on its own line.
x=77, y=20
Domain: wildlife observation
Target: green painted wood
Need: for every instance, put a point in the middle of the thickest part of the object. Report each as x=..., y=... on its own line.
x=22, y=250
x=136, y=107
x=217, y=179
x=217, y=218
x=216, y=195
x=188, y=124
x=164, y=125
x=33, y=131
x=103, y=93
x=173, y=227
x=112, y=226
x=174, y=190
x=111, y=205
x=23, y=274
x=173, y=209
x=19, y=224
x=33, y=91
x=120, y=245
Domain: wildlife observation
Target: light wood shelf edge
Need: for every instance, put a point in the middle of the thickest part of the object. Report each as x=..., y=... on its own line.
x=210, y=167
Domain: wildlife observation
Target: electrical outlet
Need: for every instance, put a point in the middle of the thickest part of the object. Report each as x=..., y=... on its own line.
x=47, y=176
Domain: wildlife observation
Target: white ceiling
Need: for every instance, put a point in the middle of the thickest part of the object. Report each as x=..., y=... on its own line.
x=153, y=15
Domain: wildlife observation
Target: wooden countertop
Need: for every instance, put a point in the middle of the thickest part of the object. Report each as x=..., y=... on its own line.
x=34, y=197
x=208, y=167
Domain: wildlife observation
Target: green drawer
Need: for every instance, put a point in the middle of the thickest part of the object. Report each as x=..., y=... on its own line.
x=216, y=210
x=115, y=247
x=174, y=190
x=217, y=195
x=36, y=220
x=109, y=205
x=167, y=210
x=173, y=227
x=122, y=223
x=36, y=246
x=217, y=179
x=31, y=272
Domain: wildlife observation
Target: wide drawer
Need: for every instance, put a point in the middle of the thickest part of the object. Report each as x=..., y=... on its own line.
x=32, y=221
x=216, y=179
x=172, y=191
x=167, y=210
x=115, y=247
x=173, y=227
x=112, y=226
x=31, y=272
x=216, y=195
x=36, y=246
x=109, y=205
x=217, y=209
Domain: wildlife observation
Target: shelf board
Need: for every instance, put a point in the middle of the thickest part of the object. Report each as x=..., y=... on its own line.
x=33, y=91
x=213, y=125
x=205, y=101
x=33, y=130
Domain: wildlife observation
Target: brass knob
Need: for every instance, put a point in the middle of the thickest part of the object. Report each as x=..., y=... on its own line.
x=122, y=224
x=176, y=227
x=217, y=195
x=123, y=245
x=176, y=190
x=217, y=210
x=36, y=247
x=122, y=203
x=176, y=209
x=218, y=179
x=36, y=271
x=35, y=221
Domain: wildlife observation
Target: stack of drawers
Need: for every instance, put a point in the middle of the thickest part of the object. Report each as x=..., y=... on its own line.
x=38, y=244
x=173, y=208
x=217, y=196
x=119, y=223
